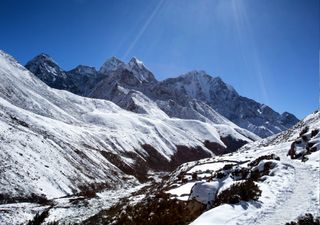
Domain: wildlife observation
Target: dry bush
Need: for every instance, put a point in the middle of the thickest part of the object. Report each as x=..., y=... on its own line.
x=39, y=218
x=314, y=132
x=243, y=191
x=304, y=131
x=264, y=157
x=256, y=174
x=307, y=219
x=33, y=198
x=157, y=210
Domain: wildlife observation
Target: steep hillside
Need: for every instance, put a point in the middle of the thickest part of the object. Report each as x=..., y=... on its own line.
x=289, y=182
x=130, y=87
x=246, y=113
x=53, y=143
x=272, y=181
x=177, y=97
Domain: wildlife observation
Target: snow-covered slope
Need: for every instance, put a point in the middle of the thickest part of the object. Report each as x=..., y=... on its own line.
x=55, y=143
x=193, y=86
x=45, y=68
x=289, y=183
x=246, y=113
x=134, y=70
x=130, y=85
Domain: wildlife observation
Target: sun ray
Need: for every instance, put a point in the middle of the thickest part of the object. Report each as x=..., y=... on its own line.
x=144, y=28
x=252, y=60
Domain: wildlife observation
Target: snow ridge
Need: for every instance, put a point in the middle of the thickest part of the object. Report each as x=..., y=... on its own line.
x=192, y=86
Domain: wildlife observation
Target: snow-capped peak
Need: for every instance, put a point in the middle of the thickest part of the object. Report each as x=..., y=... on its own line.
x=199, y=84
x=111, y=64
x=195, y=73
x=84, y=70
x=135, y=61
x=142, y=73
x=45, y=65
x=43, y=58
x=219, y=82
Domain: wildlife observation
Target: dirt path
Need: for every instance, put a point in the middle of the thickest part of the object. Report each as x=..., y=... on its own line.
x=298, y=199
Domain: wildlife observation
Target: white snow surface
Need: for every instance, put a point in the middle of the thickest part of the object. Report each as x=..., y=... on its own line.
x=291, y=190
x=51, y=140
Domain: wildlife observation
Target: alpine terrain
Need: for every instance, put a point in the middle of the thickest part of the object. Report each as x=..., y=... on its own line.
x=117, y=146
x=195, y=95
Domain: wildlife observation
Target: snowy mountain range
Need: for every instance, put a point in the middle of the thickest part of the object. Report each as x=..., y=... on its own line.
x=55, y=143
x=270, y=181
x=195, y=95
x=75, y=145
x=65, y=141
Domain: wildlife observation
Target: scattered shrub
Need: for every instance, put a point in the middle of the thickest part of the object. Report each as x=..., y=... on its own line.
x=39, y=218
x=87, y=192
x=53, y=223
x=33, y=198
x=220, y=174
x=307, y=219
x=158, y=210
x=227, y=166
x=244, y=191
x=18, y=121
x=313, y=149
x=314, y=132
x=194, y=176
x=304, y=131
x=181, y=175
x=267, y=157
x=256, y=174
x=298, y=141
x=292, y=151
x=240, y=173
x=309, y=145
x=304, y=138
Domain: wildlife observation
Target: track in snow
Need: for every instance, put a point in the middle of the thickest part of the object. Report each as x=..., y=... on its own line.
x=299, y=199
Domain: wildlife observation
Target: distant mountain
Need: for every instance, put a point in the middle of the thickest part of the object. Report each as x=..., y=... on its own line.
x=247, y=113
x=131, y=87
x=195, y=95
x=75, y=159
x=287, y=186
x=55, y=143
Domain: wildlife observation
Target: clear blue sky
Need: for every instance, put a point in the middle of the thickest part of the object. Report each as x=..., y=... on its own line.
x=267, y=49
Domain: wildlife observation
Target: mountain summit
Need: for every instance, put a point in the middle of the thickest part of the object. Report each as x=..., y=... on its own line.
x=174, y=96
x=247, y=113
x=111, y=64
x=69, y=158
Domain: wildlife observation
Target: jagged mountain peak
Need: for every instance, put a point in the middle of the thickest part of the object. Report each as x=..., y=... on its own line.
x=45, y=67
x=135, y=61
x=197, y=84
x=141, y=72
x=288, y=118
x=84, y=70
x=47, y=70
x=195, y=73
x=43, y=58
x=134, y=70
x=202, y=78
x=111, y=64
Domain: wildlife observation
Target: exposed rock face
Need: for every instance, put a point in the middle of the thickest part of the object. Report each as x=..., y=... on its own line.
x=194, y=95
x=55, y=143
x=246, y=113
